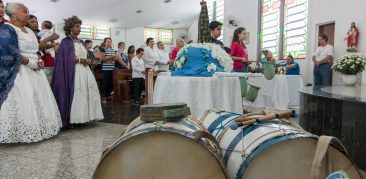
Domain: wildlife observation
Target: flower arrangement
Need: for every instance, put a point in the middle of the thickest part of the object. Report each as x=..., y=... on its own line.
x=350, y=64
x=216, y=51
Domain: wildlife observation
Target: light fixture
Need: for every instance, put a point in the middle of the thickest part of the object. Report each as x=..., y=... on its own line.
x=55, y=1
x=113, y=20
x=175, y=22
x=167, y=1
x=139, y=11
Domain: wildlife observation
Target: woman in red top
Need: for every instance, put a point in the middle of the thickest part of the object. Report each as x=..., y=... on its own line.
x=238, y=51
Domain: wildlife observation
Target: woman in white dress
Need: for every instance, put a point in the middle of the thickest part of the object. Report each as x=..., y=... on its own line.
x=73, y=83
x=29, y=111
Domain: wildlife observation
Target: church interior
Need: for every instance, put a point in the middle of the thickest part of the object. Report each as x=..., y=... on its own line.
x=197, y=89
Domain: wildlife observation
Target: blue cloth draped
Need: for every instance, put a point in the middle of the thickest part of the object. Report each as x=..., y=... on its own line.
x=63, y=78
x=10, y=60
x=197, y=60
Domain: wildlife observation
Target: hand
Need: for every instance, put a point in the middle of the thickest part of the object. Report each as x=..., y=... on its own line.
x=157, y=63
x=317, y=64
x=88, y=62
x=25, y=61
x=43, y=44
x=40, y=63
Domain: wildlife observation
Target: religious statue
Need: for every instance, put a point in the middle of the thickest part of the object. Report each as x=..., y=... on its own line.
x=352, y=36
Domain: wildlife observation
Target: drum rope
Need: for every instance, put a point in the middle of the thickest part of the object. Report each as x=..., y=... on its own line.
x=222, y=126
x=244, y=153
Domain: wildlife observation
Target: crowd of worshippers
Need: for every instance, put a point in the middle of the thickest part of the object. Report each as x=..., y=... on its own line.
x=103, y=58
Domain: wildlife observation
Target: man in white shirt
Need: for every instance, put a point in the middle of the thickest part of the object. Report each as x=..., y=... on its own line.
x=150, y=55
x=322, y=57
x=164, y=57
x=138, y=75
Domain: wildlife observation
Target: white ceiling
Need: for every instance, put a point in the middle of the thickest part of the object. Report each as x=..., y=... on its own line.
x=155, y=13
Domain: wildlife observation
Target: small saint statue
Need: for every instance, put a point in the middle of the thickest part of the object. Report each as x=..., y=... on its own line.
x=352, y=36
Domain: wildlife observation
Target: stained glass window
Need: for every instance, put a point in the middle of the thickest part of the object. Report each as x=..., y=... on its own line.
x=94, y=32
x=284, y=27
x=163, y=35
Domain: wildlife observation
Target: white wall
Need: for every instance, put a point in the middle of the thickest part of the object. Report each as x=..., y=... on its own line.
x=118, y=35
x=193, y=31
x=342, y=13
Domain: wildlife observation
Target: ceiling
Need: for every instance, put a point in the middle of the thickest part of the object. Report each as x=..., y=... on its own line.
x=155, y=13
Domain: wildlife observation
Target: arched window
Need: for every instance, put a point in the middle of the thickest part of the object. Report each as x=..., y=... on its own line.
x=284, y=27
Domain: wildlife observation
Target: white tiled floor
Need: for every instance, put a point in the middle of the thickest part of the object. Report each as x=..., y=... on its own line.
x=73, y=153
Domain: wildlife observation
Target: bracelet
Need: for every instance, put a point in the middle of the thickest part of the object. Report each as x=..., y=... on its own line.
x=79, y=60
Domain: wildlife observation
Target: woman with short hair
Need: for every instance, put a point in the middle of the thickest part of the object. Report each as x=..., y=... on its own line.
x=73, y=83
x=29, y=111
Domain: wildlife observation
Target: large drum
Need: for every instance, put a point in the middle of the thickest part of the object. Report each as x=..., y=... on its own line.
x=162, y=150
x=271, y=149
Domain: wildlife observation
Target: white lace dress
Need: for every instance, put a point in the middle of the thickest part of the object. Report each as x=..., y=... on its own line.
x=30, y=112
x=86, y=105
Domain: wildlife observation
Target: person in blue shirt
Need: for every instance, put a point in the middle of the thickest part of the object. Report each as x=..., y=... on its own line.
x=292, y=67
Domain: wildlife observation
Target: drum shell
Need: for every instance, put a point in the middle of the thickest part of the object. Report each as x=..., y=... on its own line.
x=184, y=128
x=264, y=144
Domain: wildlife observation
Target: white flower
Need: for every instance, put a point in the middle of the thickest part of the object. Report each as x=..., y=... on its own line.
x=182, y=59
x=178, y=64
x=211, y=67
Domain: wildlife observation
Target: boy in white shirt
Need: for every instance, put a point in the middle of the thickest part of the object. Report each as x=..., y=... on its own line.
x=138, y=75
x=46, y=32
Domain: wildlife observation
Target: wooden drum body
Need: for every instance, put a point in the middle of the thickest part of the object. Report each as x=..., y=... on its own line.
x=271, y=149
x=163, y=150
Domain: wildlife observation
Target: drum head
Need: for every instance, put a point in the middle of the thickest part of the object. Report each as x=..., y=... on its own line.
x=293, y=159
x=160, y=155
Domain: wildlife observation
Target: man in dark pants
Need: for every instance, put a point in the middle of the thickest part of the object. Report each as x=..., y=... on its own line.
x=109, y=58
x=322, y=57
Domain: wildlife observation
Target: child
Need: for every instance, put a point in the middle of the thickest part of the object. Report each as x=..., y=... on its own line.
x=46, y=32
x=138, y=75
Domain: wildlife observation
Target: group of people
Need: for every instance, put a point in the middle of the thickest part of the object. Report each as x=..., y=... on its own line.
x=32, y=110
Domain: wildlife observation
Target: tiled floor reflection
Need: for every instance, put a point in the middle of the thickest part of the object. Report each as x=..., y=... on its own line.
x=119, y=113
x=74, y=153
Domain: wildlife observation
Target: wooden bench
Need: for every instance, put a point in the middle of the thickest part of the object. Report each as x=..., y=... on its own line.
x=121, y=86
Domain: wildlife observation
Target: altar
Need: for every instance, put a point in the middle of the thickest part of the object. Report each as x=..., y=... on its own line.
x=280, y=93
x=200, y=93
x=337, y=111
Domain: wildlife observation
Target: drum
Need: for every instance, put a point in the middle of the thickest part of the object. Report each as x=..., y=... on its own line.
x=271, y=149
x=162, y=150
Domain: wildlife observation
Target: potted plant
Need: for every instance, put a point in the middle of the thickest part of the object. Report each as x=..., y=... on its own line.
x=349, y=66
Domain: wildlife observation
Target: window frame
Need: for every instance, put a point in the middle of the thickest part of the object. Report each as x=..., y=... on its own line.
x=282, y=36
x=159, y=35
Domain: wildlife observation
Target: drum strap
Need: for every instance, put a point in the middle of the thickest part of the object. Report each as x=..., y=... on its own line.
x=320, y=153
x=205, y=135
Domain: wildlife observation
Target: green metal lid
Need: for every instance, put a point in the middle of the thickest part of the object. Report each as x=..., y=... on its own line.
x=164, y=112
